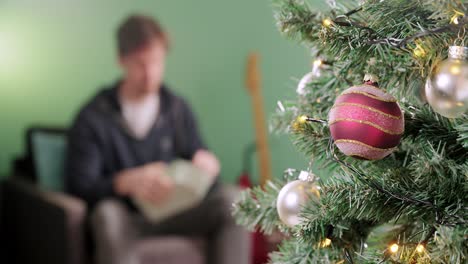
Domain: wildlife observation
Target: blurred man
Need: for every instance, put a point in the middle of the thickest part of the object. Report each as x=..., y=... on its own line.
x=119, y=147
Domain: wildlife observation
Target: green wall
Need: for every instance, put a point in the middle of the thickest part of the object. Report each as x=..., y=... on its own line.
x=54, y=54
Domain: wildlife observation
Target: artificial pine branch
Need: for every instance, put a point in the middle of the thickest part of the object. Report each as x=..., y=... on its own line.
x=417, y=196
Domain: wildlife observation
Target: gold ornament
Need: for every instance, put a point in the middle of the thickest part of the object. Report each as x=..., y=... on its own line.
x=447, y=90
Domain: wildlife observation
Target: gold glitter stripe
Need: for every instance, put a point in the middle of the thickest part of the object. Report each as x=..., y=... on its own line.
x=362, y=156
x=367, y=123
x=368, y=108
x=372, y=87
x=371, y=96
x=363, y=144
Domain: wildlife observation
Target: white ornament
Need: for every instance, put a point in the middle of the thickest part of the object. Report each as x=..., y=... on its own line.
x=292, y=198
x=315, y=73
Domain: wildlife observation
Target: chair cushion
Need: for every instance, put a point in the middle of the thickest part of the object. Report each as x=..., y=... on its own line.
x=49, y=157
x=170, y=250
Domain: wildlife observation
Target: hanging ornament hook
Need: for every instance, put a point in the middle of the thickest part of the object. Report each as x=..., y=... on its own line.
x=306, y=176
x=460, y=40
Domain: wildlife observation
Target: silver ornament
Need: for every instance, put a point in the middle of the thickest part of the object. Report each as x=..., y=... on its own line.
x=292, y=198
x=315, y=73
x=447, y=90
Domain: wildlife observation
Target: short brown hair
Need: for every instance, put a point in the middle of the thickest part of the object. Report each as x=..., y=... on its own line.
x=137, y=31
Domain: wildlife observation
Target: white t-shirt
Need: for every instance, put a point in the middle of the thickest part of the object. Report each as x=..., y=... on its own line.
x=140, y=116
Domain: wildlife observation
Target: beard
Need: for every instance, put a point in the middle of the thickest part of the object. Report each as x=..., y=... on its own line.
x=146, y=88
x=139, y=90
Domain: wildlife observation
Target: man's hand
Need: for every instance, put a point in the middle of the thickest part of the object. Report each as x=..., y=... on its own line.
x=149, y=183
x=206, y=161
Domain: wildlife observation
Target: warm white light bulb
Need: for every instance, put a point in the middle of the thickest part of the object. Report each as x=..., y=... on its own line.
x=327, y=242
x=302, y=119
x=317, y=62
x=327, y=22
x=394, y=248
x=419, y=51
x=420, y=248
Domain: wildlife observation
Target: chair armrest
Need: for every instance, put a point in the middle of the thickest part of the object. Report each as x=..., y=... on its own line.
x=74, y=208
x=50, y=225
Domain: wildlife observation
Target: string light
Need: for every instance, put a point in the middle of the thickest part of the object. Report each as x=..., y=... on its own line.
x=327, y=22
x=419, y=51
x=326, y=243
x=318, y=62
x=302, y=119
x=298, y=124
x=394, y=248
x=455, y=18
x=420, y=248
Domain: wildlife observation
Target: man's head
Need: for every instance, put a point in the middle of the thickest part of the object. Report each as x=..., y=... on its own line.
x=142, y=47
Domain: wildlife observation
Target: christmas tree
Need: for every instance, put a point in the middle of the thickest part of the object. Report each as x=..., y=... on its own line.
x=384, y=114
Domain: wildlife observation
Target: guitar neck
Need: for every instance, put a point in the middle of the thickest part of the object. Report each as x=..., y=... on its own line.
x=261, y=136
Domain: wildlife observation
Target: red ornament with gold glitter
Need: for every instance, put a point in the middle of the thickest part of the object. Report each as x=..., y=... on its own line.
x=366, y=122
